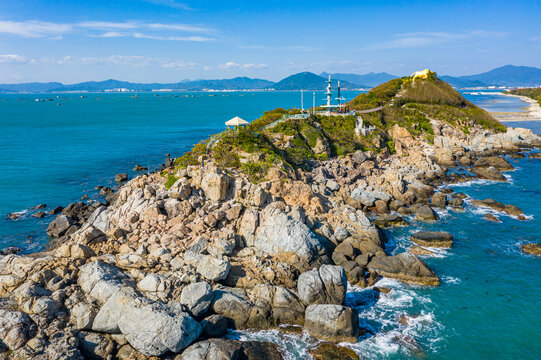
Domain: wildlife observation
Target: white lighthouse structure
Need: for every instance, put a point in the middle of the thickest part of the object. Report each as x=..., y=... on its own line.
x=329, y=97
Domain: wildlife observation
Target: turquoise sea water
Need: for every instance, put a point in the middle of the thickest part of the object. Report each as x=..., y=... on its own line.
x=488, y=306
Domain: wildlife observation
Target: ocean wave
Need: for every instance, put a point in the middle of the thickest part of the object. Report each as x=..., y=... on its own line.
x=447, y=279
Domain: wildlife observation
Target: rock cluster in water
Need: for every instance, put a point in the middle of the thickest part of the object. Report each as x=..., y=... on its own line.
x=164, y=272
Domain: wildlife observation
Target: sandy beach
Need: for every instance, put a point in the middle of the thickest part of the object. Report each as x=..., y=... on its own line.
x=532, y=113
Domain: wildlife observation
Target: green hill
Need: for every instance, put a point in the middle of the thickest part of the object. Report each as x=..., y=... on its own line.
x=281, y=141
x=411, y=103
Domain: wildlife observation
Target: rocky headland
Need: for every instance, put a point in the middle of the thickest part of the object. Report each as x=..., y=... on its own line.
x=253, y=229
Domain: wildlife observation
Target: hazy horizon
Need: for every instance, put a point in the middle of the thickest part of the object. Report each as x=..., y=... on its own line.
x=167, y=41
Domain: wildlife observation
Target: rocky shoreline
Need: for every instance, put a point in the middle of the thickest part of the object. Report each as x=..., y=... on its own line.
x=163, y=271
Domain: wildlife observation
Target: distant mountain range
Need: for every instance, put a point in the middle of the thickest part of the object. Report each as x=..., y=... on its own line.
x=509, y=76
x=310, y=81
x=366, y=81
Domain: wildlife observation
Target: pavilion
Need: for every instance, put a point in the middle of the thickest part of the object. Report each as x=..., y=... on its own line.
x=236, y=122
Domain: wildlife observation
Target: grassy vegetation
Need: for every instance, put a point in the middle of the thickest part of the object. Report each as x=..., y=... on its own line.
x=415, y=102
x=191, y=157
x=533, y=93
x=171, y=179
x=378, y=96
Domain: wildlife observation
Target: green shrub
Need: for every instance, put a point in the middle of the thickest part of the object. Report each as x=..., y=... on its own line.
x=171, y=179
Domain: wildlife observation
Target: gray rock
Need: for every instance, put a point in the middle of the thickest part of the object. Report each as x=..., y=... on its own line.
x=180, y=190
x=82, y=315
x=153, y=328
x=123, y=177
x=214, y=326
x=215, y=349
x=59, y=226
x=220, y=247
x=439, y=199
x=99, y=220
x=404, y=267
x=432, y=238
x=212, y=268
x=95, y=346
x=100, y=280
x=456, y=202
x=333, y=185
x=14, y=326
x=324, y=286
x=364, y=197
x=153, y=283
x=498, y=162
x=232, y=304
x=425, y=213
x=334, y=323
x=215, y=185
x=110, y=313
x=340, y=234
x=490, y=173
x=280, y=234
x=197, y=297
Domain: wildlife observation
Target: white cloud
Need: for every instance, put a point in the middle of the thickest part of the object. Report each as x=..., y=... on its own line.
x=12, y=59
x=112, y=34
x=233, y=65
x=33, y=29
x=172, y=38
x=105, y=25
x=105, y=29
x=179, y=27
x=535, y=38
x=423, y=39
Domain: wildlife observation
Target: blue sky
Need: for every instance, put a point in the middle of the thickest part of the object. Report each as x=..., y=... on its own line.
x=170, y=40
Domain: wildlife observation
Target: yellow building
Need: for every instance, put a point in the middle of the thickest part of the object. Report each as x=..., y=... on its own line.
x=423, y=74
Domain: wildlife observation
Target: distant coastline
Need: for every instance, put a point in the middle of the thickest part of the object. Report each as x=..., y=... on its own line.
x=531, y=113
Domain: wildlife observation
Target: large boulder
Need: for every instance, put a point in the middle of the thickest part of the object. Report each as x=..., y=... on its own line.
x=154, y=328
x=334, y=323
x=425, y=213
x=100, y=280
x=232, y=304
x=490, y=173
x=224, y=349
x=532, y=249
x=180, y=190
x=326, y=285
x=439, y=199
x=215, y=349
x=14, y=326
x=197, y=297
x=212, y=268
x=282, y=235
x=432, y=238
x=498, y=162
x=59, y=226
x=215, y=185
x=214, y=326
x=444, y=157
x=107, y=318
x=404, y=267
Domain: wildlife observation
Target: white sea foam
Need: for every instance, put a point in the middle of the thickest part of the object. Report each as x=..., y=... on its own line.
x=447, y=279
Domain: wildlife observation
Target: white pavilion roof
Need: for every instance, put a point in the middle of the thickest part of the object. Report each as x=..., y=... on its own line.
x=236, y=121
